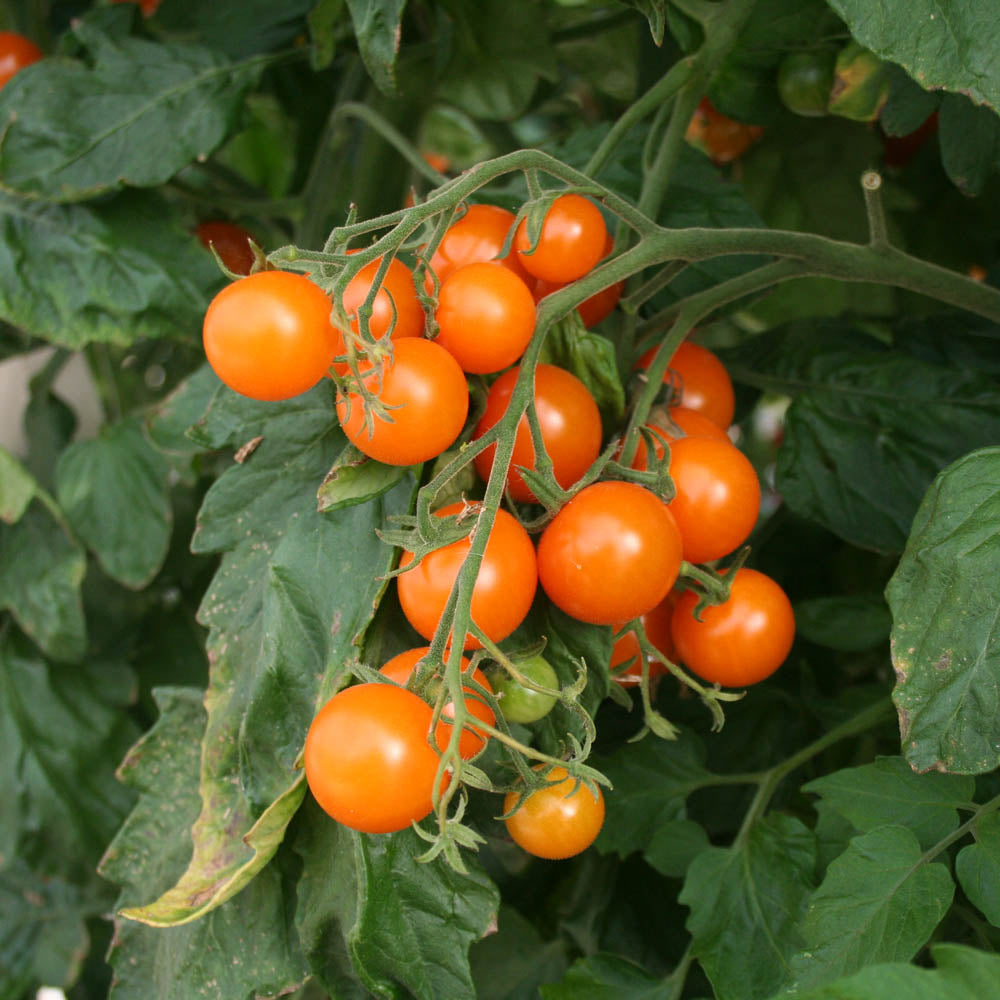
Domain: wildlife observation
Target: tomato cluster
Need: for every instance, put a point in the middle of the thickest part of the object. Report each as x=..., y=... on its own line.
x=612, y=554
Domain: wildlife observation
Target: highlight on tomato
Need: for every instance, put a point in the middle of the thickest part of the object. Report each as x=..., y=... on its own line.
x=504, y=588
x=268, y=336
x=571, y=241
x=16, y=52
x=611, y=554
x=700, y=382
x=741, y=641
x=625, y=664
x=230, y=241
x=472, y=740
x=479, y=235
x=558, y=821
x=485, y=317
x=367, y=760
x=426, y=400
x=570, y=423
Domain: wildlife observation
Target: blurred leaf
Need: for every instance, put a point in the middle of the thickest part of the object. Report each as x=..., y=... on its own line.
x=945, y=634
x=134, y=114
x=168, y=424
x=17, y=488
x=114, y=271
x=909, y=105
x=747, y=902
x=851, y=623
x=400, y=921
x=324, y=19
x=354, y=478
x=879, y=902
x=970, y=142
x=377, y=29
x=654, y=11
x=49, y=424
x=978, y=868
x=890, y=792
x=114, y=492
x=608, y=977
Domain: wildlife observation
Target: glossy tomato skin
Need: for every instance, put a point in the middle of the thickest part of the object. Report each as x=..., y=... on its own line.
x=367, y=759
x=504, y=589
x=399, y=669
x=741, y=641
x=570, y=423
x=717, y=497
x=571, y=242
x=479, y=235
x=524, y=704
x=231, y=243
x=625, y=653
x=485, y=317
x=268, y=336
x=16, y=52
x=556, y=822
x=700, y=380
x=427, y=399
x=611, y=554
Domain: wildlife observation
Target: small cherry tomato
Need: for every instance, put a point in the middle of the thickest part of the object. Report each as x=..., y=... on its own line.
x=741, y=641
x=479, y=235
x=625, y=653
x=599, y=306
x=485, y=317
x=472, y=740
x=700, y=380
x=524, y=704
x=570, y=423
x=231, y=243
x=504, y=588
x=426, y=399
x=717, y=497
x=367, y=759
x=611, y=554
x=16, y=52
x=268, y=336
x=558, y=821
x=720, y=137
x=571, y=242
x=804, y=82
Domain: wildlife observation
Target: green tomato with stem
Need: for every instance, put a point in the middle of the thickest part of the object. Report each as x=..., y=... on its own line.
x=804, y=82
x=520, y=703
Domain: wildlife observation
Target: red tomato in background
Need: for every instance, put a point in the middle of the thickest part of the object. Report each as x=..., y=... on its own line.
x=723, y=138
x=570, y=423
x=701, y=381
x=16, y=52
x=571, y=242
x=231, y=243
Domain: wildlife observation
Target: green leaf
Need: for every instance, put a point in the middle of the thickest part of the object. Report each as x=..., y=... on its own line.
x=115, y=495
x=654, y=11
x=889, y=792
x=133, y=114
x=168, y=425
x=294, y=592
x=851, y=623
x=942, y=45
x=978, y=868
x=945, y=633
x=879, y=902
x=17, y=488
x=115, y=271
x=354, y=478
x=377, y=29
x=41, y=569
x=368, y=908
x=608, y=977
x=868, y=428
x=746, y=905
x=970, y=142
x=49, y=424
x=909, y=105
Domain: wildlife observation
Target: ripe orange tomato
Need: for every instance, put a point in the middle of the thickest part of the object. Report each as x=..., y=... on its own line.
x=231, y=242
x=16, y=52
x=701, y=380
x=485, y=317
x=740, y=641
x=571, y=242
x=570, y=423
x=479, y=235
x=611, y=554
x=691, y=424
x=556, y=822
x=625, y=653
x=367, y=759
x=472, y=740
x=504, y=588
x=268, y=336
x=718, y=135
x=427, y=401
x=717, y=497
x=599, y=306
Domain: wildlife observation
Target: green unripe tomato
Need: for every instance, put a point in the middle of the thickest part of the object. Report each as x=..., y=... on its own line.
x=804, y=82
x=519, y=703
x=860, y=84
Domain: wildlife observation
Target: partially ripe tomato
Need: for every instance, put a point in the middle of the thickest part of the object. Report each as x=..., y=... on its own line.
x=701, y=381
x=485, y=317
x=717, y=497
x=722, y=138
x=741, y=641
x=690, y=423
x=557, y=821
x=504, y=588
x=268, y=336
x=426, y=399
x=479, y=235
x=523, y=704
x=231, y=243
x=367, y=759
x=16, y=52
x=399, y=669
x=571, y=242
x=570, y=423
x=626, y=651
x=611, y=554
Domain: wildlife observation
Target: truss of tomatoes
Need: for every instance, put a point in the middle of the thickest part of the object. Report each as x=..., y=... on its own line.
x=611, y=555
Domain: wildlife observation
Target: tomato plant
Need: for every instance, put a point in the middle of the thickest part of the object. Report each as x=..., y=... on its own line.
x=16, y=52
x=571, y=241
